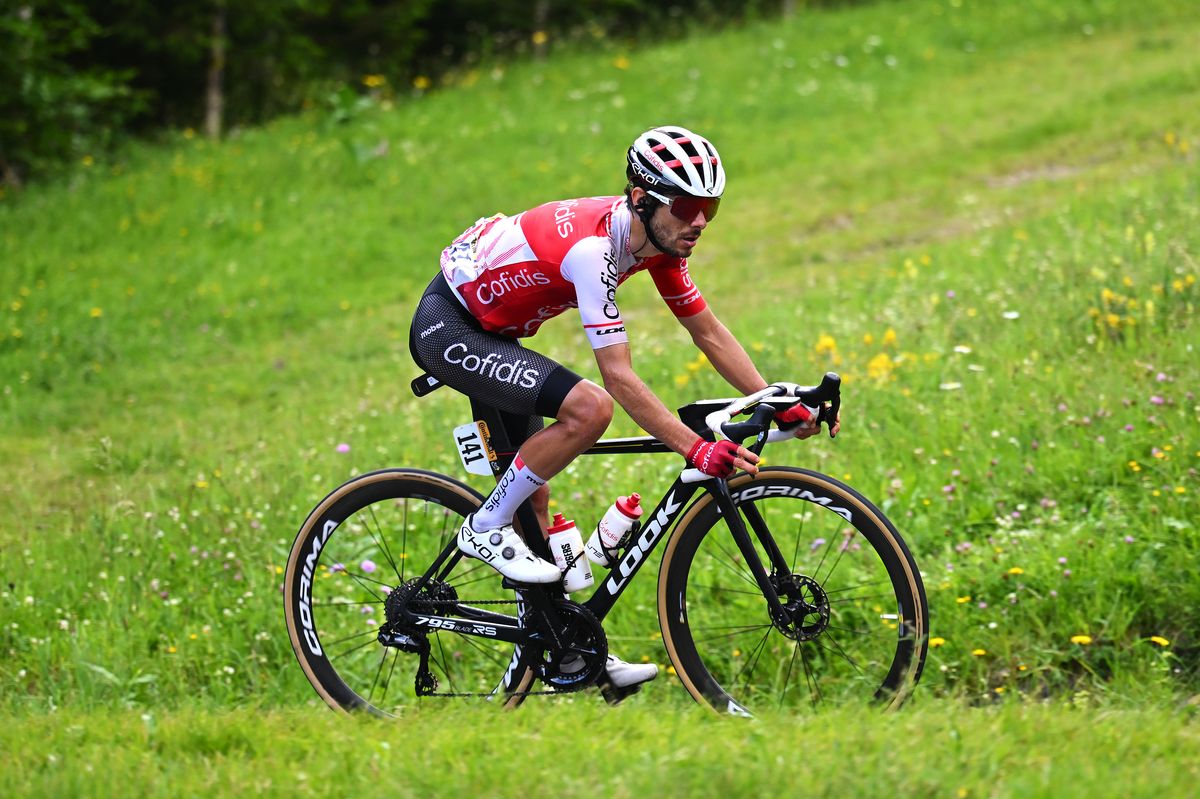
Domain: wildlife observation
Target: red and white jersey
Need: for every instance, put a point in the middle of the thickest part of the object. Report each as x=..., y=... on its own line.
x=515, y=272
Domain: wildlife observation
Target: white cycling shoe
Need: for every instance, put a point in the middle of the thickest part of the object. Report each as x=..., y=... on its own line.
x=505, y=551
x=619, y=674
x=627, y=675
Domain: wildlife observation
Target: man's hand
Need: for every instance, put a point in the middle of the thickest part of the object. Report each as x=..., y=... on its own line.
x=721, y=458
x=801, y=420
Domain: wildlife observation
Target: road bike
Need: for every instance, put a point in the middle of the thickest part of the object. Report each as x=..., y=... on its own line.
x=785, y=588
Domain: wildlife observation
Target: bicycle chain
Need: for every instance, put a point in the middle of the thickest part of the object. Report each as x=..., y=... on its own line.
x=481, y=695
x=457, y=695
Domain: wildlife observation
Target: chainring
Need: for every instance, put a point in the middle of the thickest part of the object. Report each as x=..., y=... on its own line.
x=584, y=652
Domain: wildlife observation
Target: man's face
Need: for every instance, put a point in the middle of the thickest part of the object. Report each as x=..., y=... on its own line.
x=678, y=237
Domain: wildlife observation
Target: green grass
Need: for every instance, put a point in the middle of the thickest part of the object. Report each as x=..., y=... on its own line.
x=1046, y=751
x=985, y=215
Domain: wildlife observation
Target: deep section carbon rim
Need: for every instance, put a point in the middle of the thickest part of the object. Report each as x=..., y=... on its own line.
x=857, y=618
x=358, y=552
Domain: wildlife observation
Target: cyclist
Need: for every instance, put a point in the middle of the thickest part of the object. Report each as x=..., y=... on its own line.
x=506, y=275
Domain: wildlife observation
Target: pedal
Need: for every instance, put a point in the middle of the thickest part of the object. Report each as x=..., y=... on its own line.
x=614, y=695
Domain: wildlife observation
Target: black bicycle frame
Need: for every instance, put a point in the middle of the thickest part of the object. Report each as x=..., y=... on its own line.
x=637, y=551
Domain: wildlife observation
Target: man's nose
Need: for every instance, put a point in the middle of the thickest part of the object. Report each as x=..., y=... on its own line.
x=700, y=221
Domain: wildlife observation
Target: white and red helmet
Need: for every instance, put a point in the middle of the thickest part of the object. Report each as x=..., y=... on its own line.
x=671, y=160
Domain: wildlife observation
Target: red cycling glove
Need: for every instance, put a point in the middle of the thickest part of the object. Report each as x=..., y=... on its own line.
x=713, y=458
x=795, y=415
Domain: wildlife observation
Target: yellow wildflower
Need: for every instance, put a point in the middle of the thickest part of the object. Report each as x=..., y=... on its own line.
x=962, y=600
x=978, y=652
x=96, y=313
x=1158, y=639
x=421, y=83
x=936, y=642
x=1082, y=640
x=1016, y=570
x=889, y=337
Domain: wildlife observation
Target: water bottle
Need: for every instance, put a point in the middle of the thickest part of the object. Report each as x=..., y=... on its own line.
x=617, y=521
x=566, y=544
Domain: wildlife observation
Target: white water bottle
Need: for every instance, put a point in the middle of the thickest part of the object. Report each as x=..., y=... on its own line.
x=566, y=544
x=617, y=521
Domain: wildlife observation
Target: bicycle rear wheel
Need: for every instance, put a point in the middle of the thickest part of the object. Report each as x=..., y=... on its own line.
x=858, y=619
x=366, y=541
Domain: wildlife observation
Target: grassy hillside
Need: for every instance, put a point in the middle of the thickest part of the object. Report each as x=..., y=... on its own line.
x=985, y=215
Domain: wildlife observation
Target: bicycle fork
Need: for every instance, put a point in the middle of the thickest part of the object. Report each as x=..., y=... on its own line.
x=741, y=536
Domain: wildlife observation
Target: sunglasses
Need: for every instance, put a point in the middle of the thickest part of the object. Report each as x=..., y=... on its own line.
x=686, y=207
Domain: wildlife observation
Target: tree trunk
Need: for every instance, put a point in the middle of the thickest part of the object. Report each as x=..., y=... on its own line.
x=541, y=16
x=214, y=97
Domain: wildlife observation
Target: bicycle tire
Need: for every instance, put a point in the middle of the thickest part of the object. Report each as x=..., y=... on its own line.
x=708, y=612
x=394, y=522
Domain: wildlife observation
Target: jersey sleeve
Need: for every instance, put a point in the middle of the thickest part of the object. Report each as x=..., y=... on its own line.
x=676, y=287
x=591, y=265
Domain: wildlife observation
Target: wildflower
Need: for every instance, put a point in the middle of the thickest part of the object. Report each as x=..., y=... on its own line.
x=962, y=600
x=1129, y=539
x=1180, y=490
x=540, y=38
x=817, y=544
x=1066, y=572
x=1016, y=570
x=889, y=337
x=1062, y=561
x=343, y=448
x=368, y=566
x=96, y=313
x=1157, y=400
x=1082, y=640
x=825, y=344
x=978, y=652
x=936, y=642
x=1158, y=639
x=421, y=83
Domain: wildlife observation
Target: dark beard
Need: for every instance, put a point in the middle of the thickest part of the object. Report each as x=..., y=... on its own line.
x=660, y=235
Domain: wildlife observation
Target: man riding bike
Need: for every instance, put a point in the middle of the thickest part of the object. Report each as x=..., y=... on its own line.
x=505, y=276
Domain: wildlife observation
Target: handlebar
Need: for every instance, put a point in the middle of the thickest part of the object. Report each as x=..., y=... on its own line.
x=823, y=401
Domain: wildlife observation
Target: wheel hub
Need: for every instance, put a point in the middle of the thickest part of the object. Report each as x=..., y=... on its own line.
x=805, y=607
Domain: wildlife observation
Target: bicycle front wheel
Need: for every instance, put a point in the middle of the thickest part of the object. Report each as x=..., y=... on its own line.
x=360, y=552
x=857, y=620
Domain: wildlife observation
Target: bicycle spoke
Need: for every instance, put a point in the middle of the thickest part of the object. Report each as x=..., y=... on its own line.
x=348, y=603
x=382, y=659
x=860, y=585
x=728, y=563
x=363, y=580
x=799, y=536
x=388, y=682
x=850, y=630
x=752, y=661
x=814, y=689
x=741, y=631
x=366, y=643
x=380, y=540
x=404, y=542
x=729, y=590
x=788, y=678
x=841, y=652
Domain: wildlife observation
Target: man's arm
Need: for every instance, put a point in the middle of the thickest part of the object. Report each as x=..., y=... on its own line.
x=732, y=361
x=724, y=351
x=616, y=370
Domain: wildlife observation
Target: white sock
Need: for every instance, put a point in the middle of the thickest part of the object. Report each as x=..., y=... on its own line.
x=516, y=486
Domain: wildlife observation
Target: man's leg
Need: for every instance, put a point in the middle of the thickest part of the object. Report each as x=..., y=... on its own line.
x=582, y=418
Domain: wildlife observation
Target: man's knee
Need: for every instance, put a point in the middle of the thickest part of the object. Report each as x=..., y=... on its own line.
x=588, y=407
